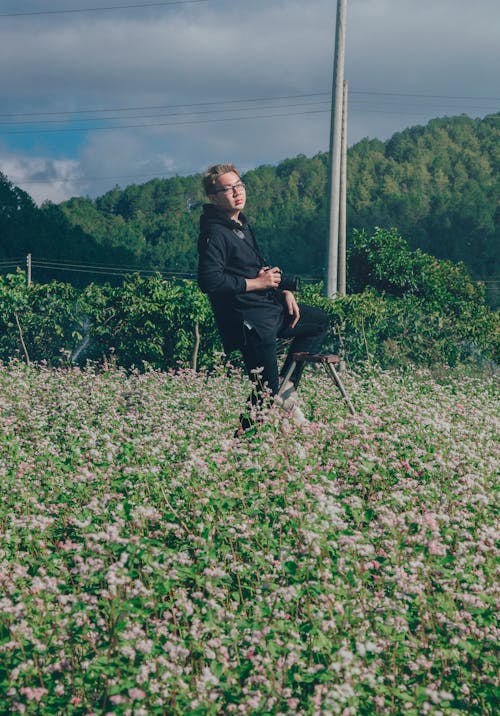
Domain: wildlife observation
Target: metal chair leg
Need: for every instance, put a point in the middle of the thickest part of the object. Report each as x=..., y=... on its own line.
x=340, y=386
x=328, y=361
x=287, y=376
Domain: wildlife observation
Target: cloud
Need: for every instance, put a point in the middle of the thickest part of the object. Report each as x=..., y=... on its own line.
x=42, y=177
x=219, y=52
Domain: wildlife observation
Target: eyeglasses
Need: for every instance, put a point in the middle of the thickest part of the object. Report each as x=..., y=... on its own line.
x=239, y=186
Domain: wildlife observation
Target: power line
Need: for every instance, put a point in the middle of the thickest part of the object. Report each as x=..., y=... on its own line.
x=109, y=272
x=162, y=124
x=78, y=264
x=66, y=130
x=101, y=9
x=151, y=116
x=167, y=106
x=137, y=108
x=85, y=178
x=429, y=96
x=107, y=269
x=354, y=104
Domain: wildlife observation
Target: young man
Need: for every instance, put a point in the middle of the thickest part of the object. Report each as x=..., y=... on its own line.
x=253, y=302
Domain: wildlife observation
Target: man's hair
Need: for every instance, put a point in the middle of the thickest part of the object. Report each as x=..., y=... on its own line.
x=213, y=173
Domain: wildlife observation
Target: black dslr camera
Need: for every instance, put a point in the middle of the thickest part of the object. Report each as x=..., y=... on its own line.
x=289, y=283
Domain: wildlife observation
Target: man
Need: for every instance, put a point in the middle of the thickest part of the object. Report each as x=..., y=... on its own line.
x=253, y=302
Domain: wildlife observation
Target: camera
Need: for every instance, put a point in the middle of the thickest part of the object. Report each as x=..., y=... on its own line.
x=289, y=283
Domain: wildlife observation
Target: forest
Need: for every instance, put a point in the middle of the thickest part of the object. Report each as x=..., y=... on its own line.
x=437, y=184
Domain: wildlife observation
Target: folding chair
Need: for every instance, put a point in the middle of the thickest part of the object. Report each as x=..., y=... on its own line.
x=329, y=362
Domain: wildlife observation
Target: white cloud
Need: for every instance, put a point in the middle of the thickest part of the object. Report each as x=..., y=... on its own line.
x=227, y=50
x=42, y=178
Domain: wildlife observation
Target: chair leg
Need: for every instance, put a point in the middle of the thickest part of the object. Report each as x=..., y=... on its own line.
x=340, y=386
x=287, y=376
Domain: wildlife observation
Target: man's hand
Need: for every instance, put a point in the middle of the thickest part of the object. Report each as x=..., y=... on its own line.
x=266, y=278
x=292, y=307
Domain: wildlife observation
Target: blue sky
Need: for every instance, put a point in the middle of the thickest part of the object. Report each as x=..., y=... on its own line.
x=90, y=99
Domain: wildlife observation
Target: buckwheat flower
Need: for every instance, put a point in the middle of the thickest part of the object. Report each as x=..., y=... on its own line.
x=437, y=548
x=33, y=693
x=431, y=522
x=146, y=512
x=128, y=652
x=208, y=678
x=136, y=694
x=214, y=572
x=145, y=646
x=118, y=699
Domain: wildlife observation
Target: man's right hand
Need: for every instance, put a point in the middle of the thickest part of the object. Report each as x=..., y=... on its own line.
x=266, y=278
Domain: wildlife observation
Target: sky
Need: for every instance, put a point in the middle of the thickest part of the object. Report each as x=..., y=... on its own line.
x=102, y=93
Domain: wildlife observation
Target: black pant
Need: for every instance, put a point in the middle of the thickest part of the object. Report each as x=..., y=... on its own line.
x=258, y=352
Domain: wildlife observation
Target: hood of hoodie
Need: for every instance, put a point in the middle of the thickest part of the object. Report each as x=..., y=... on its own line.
x=213, y=215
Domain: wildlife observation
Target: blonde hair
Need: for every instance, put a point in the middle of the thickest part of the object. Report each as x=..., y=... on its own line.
x=213, y=173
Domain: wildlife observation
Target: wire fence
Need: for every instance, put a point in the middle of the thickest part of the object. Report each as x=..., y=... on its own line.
x=56, y=266
x=29, y=264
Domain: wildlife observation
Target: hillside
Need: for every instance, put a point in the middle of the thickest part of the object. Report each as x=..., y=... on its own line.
x=438, y=184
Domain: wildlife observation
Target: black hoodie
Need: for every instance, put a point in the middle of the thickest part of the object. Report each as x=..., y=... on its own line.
x=228, y=254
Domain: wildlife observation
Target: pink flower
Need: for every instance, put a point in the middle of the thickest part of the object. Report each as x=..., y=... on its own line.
x=117, y=699
x=436, y=547
x=431, y=522
x=33, y=694
x=136, y=694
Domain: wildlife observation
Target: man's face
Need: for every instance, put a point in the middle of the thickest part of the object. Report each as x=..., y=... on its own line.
x=229, y=194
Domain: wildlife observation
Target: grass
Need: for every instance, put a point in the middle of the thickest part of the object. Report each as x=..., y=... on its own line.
x=150, y=564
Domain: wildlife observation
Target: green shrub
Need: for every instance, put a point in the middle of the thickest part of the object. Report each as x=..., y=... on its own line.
x=408, y=307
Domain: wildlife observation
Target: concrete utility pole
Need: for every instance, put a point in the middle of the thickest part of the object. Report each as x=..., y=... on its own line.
x=343, y=197
x=335, y=153
x=28, y=269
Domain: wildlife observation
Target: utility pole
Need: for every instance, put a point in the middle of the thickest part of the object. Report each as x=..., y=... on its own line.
x=335, y=152
x=343, y=198
x=28, y=269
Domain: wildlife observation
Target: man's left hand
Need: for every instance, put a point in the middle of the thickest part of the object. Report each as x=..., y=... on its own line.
x=292, y=307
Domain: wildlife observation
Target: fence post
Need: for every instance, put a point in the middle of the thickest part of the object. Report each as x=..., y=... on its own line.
x=28, y=269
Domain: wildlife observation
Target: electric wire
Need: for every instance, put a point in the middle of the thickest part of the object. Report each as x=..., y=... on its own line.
x=219, y=102
x=137, y=108
x=187, y=122
x=78, y=264
x=107, y=269
x=108, y=8
x=110, y=272
x=85, y=178
x=66, y=130
x=151, y=116
x=353, y=106
x=126, y=270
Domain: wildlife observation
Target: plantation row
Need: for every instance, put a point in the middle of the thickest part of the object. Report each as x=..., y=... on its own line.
x=408, y=307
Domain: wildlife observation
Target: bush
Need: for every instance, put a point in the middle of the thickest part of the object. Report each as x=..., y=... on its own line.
x=40, y=321
x=150, y=321
x=408, y=308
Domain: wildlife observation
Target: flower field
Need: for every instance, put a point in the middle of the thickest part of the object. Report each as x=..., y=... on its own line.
x=150, y=564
